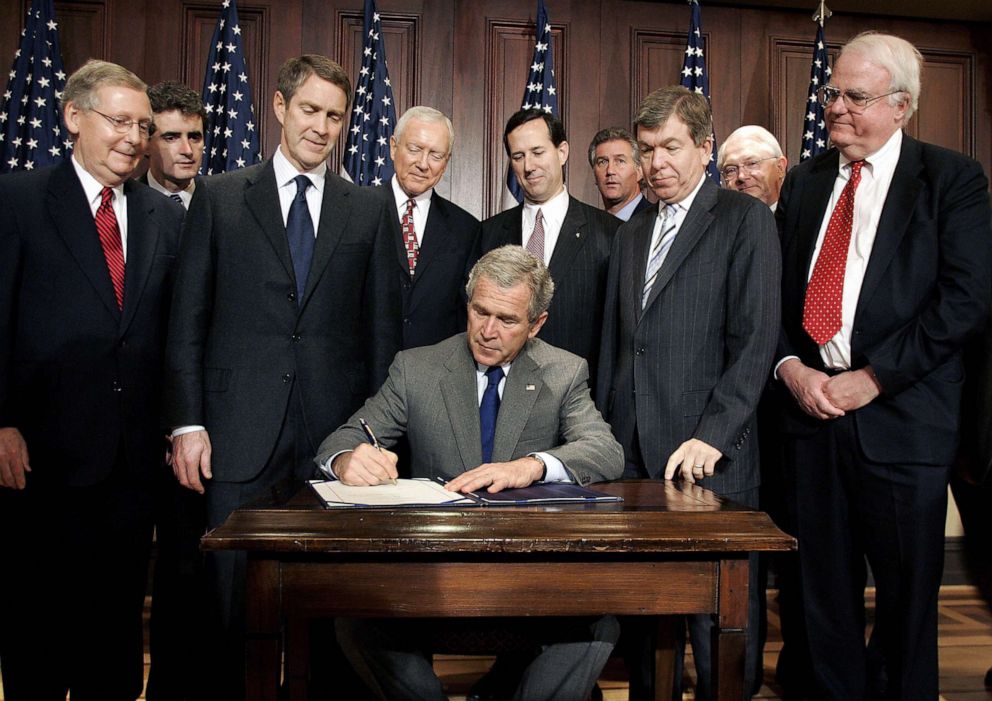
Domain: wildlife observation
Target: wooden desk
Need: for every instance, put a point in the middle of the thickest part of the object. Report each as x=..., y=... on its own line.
x=667, y=549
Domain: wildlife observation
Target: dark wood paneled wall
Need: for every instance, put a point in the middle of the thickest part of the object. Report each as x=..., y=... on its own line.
x=469, y=57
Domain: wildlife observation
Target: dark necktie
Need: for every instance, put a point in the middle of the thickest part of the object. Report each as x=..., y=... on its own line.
x=110, y=240
x=299, y=231
x=410, y=237
x=823, y=308
x=177, y=199
x=488, y=410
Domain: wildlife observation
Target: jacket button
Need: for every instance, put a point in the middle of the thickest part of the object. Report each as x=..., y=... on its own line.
x=291, y=296
x=286, y=378
x=296, y=338
x=117, y=386
x=639, y=350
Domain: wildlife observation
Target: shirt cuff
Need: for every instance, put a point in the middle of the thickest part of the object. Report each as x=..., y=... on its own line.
x=326, y=465
x=556, y=471
x=176, y=432
x=779, y=364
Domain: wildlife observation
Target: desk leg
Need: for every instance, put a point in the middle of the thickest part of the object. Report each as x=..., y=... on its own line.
x=731, y=631
x=263, y=648
x=664, y=657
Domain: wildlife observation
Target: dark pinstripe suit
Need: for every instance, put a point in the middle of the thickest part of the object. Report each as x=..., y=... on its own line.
x=693, y=363
x=578, y=266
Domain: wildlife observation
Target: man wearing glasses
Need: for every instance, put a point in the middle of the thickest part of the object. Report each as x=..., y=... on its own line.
x=751, y=161
x=86, y=258
x=886, y=259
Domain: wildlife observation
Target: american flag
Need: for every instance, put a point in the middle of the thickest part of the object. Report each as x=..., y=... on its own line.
x=373, y=116
x=231, y=140
x=814, y=127
x=694, y=75
x=31, y=130
x=540, y=93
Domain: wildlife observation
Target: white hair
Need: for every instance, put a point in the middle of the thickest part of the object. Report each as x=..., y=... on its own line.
x=751, y=133
x=897, y=56
x=424, y=114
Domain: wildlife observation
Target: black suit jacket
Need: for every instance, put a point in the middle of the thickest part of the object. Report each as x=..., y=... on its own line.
x=693, y=362
x=239, y=339
x=78, y=376
x=434, y=298
x=578, y=266
x=926, y=291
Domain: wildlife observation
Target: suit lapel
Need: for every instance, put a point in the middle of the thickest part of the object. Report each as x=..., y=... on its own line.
x=74, y=221
x=812, y=208
x=522, y=387
x=262, y=200
x=461, y=400
x=697, y=221
x=437, y=235
x=396, y=231
x=142, y=240
x=570, y=239
x=512, y=228
x=335, y=210
x=637, y=253
x=900, y=203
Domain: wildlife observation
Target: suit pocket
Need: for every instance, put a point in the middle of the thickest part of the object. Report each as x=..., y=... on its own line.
x=216, y=379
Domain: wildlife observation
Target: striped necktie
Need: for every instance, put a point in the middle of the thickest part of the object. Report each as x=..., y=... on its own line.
x=176, y=198
x=110, y=241
x=659, y=249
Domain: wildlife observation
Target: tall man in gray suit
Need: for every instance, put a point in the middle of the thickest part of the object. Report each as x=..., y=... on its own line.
x=692, y=313
x=492, y=408
x=572, y=238
x=433, y=238
x=285, y=315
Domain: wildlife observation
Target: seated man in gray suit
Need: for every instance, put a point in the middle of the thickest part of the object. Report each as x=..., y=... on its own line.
x=493, y=408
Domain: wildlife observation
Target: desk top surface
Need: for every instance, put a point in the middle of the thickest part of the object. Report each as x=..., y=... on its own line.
x=655, y=516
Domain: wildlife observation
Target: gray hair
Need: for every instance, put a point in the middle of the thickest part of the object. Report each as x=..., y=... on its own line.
x=82, y=86
x=765, y=141
x=508, y=266
x=897, y=56
x=613, y=134
x=424, y=114
x=690, y=107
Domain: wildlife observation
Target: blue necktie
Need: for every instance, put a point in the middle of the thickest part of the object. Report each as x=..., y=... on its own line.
x=488, y=410
x=299, y=231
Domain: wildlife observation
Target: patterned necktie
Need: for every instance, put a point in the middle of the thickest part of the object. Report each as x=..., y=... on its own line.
x=825, y=292
x=110, y=240
x=410, y=236
x=536, y=242
x=658, y=251
x=176, y=198
x=488, y=410
x=299, y=231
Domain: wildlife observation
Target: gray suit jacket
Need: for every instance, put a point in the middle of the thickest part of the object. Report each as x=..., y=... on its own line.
x=431, y=396
x=693, y=363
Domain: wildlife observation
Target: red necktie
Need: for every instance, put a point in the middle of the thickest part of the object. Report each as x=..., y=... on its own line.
x=825, y=291
x=110, y=240
x=410, y=236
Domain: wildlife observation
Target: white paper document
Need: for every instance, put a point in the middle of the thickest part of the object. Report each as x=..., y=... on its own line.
x=406, y=492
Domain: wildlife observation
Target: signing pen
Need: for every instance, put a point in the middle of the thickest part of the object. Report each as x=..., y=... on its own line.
x=373, y=440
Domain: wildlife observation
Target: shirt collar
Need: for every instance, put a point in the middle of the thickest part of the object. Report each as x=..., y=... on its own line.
x=401, y=197
x=286, y=171
x=887, y=156
x=156, y=185
x=686, y=202
x=555, y=208
x=91, y=186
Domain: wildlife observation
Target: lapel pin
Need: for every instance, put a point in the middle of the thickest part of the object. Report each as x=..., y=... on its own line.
x=530, y=388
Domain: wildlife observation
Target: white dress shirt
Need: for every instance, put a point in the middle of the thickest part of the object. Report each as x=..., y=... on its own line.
x=422, y=208
x=553, y=212
x=94, y=197
x=185, y=195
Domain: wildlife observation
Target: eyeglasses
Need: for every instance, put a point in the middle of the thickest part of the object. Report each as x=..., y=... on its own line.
x=828, y=94
x=122, y=125
x=730, y=172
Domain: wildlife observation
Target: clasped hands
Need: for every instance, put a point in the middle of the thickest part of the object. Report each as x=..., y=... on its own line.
x=825, y=397
x=365, y=466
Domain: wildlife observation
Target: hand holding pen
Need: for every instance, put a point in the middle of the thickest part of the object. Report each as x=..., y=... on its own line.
x=373, y=440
